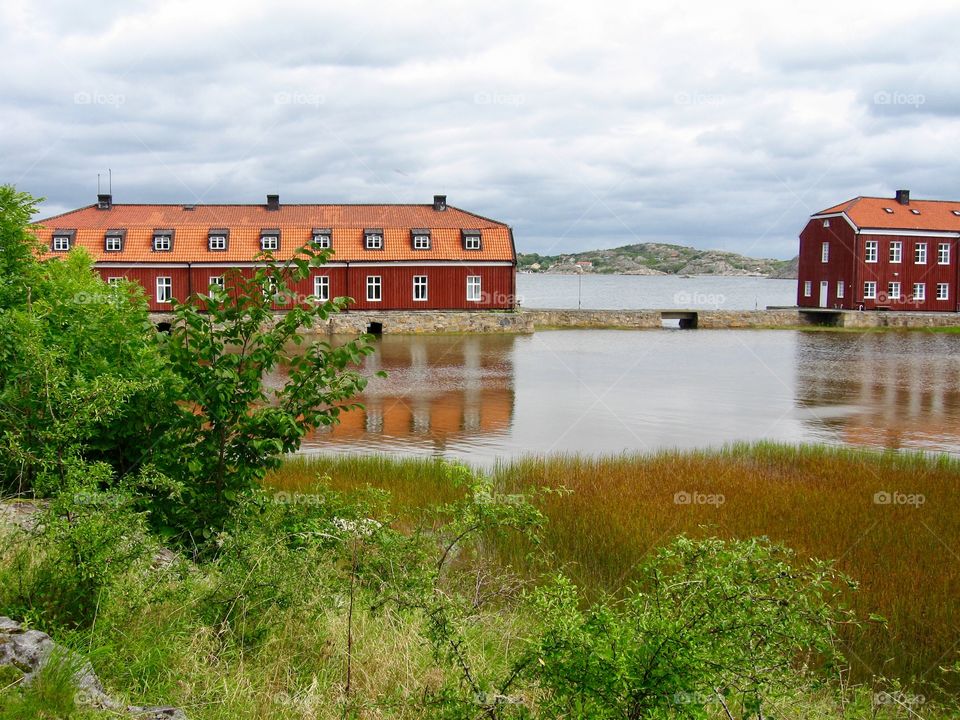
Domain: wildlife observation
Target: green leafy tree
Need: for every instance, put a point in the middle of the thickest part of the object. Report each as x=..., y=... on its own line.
x=18, y=247
x=230, y=427
x=81, y=376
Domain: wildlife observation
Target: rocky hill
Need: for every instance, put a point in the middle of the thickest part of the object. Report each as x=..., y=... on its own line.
x=658, y=259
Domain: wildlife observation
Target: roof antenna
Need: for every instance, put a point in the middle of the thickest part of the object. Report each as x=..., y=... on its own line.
x=110, y=188
x=98, y=183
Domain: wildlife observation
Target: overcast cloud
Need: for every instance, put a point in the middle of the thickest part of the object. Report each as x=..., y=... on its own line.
x=583, y=125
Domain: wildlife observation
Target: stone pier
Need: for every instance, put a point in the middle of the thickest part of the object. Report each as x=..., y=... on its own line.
x=402, y=322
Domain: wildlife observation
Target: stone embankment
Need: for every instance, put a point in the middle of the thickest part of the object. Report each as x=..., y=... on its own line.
x=403, y=322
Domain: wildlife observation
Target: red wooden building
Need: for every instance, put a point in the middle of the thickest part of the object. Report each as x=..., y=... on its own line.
x=876, y=253
x=385, y=257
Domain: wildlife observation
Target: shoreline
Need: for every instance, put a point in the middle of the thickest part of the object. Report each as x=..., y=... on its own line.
x=526, y=321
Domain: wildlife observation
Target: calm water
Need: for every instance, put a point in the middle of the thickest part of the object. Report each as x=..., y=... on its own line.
x=482, y=398
x=639, y=292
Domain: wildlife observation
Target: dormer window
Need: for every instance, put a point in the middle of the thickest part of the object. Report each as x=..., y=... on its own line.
x=373, y=239
x=956, y=212
x=270, y=239
x=62, y=240
x=113, y=240
x=471, y=240
x=914, y=211
x=217, y=239
x=162, y=240
x=889, y=211
x=420, y=239
x=322, y=238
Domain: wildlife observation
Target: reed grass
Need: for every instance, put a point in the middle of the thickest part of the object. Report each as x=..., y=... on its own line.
x=820, y=501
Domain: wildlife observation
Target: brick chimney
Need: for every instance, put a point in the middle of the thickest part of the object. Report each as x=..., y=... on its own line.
x=439, y=203
x=903, y=197
x=273, y=202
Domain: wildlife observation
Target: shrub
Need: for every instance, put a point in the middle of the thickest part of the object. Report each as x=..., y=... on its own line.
x=229, y=429
x=710, y=622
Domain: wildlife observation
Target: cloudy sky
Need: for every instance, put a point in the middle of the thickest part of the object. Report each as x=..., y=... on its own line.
x=583, y=125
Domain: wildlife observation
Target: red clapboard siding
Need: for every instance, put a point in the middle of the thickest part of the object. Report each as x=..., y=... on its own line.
x=841, y=265
x=446, y=285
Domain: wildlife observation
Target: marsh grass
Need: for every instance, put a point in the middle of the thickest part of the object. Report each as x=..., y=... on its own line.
x=821, y=501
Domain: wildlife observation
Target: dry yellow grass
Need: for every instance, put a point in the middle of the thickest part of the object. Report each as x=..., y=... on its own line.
x=820, y=501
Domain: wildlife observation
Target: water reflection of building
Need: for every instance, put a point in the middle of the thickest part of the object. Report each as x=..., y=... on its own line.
x=893, y=390
x=439, y=391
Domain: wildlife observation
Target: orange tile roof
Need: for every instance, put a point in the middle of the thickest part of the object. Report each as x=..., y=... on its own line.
x=868, y=212
x=295, y=222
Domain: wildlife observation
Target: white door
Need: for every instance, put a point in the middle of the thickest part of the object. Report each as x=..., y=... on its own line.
x=824, y=293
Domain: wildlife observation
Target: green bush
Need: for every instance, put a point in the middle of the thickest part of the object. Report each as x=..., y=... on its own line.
x=711, y=623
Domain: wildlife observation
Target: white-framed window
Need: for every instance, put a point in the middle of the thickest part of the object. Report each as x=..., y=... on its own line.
x=269, y=242
x=893, y=290
x=825, y=252
x=321, y=287
x=471, y=242
x=870, y=251
x=943, y=291
x=217, y=242
x=840, y=289
x=826, y=223
x=164, y=289
x=321, y=240
x=217, y=281
x=870, y=290
x=373, y=241
x=943, y=254
x=896, y=251
x=420, y=288
x=374, y=288
x=421, y=242
x=474, y=292
x=61, y=243
x=161, y=243
x=114, y=280
x=807, y=288
x=113, y=243
x=920, y=253
x=919, y=292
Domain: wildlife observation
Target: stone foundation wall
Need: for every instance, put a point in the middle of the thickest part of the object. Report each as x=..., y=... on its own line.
x=413, y=322
x=643, y=319
x=634, y=319
x=527, y=321
x=425, y=321
x=907, y=320
x=751, y=319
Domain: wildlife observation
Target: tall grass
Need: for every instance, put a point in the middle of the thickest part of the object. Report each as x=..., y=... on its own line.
x=821, y=501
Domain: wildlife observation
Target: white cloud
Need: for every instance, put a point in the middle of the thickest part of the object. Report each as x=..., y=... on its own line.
x=586, y=125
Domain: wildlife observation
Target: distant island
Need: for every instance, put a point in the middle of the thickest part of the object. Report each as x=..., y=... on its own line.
x=657, y=259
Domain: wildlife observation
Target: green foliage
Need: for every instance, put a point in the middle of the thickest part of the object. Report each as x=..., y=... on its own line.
x=442, y=572
x=18, y=247
x=229, y=428
x=92, y=538
x=87, y=380
x=50, y=695
x=710, y=622
x=82, y=374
